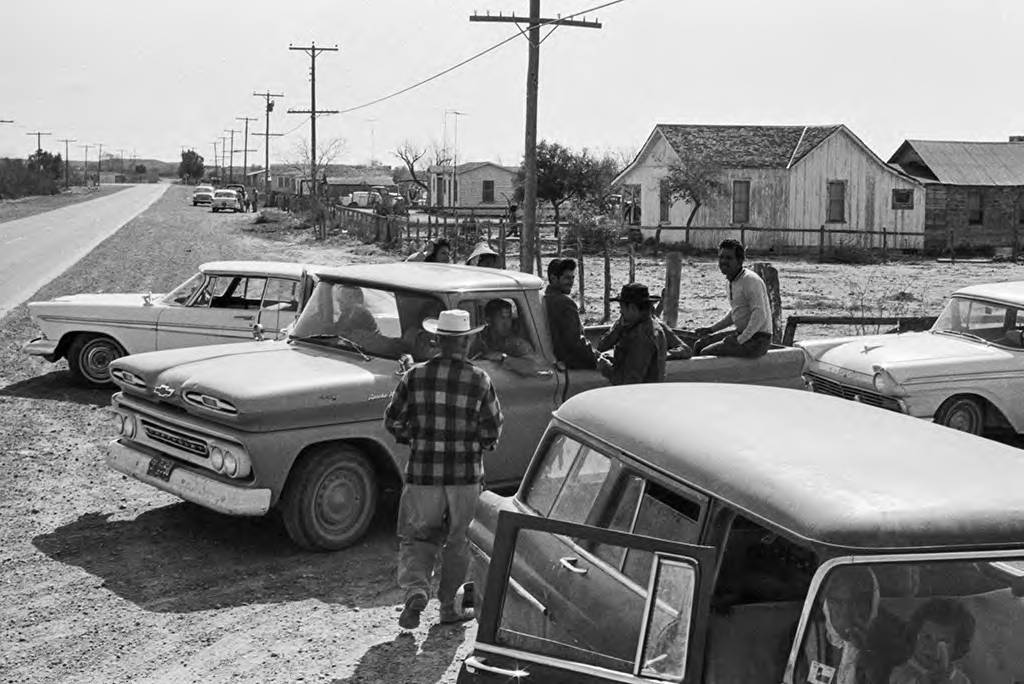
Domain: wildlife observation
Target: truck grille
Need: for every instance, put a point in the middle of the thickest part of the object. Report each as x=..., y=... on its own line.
x=823, y=385
x=173, y=438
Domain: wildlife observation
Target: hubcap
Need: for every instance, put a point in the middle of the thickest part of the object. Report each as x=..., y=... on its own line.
x=96, y=358
x=340, y=500
x=963, y=419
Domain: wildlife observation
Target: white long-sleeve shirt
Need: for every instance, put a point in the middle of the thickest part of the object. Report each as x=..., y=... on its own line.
x=749, y=308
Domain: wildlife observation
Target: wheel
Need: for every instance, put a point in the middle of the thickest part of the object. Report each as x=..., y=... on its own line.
x=966, y=414
x=195, y=204
x=89, y=357
x=330, y=498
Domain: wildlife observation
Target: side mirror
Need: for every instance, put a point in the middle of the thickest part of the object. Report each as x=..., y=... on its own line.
x=257, y=332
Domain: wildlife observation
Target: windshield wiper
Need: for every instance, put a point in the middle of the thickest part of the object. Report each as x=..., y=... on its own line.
x=348, y=344
x=968, y=335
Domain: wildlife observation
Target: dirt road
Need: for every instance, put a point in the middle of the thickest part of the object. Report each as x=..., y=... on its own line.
x=104, y=579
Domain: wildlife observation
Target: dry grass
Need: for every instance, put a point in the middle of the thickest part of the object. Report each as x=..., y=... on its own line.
x=11, y=210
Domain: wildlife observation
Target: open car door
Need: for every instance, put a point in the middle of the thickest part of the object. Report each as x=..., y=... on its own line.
x=578, y=619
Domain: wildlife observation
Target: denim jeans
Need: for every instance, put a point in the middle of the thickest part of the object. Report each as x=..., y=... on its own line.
x=725, y=344
x=434, y=518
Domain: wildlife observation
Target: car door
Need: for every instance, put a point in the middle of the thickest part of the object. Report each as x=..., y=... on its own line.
x=224, y=311
x=661, y=638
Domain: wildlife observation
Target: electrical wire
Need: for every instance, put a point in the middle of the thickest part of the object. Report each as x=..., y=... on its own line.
x=476, y=56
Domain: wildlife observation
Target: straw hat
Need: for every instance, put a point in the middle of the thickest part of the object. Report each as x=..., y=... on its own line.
x=453, y=322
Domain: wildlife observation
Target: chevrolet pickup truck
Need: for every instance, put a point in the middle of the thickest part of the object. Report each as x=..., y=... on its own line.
x=297, y=425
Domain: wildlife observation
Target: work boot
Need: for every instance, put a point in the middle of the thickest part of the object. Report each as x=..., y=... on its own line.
x=450, y=615
x=410, y=617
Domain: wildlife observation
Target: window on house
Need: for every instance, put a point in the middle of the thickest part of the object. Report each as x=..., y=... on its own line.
x=836, y=202
x=902, y=198
x=740, y=201
x=488, y=192
x=975, y=213
x=665, y=202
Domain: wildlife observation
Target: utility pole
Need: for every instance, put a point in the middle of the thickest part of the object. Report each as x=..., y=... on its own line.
x=455, y=163
x=245, y=148
x=85, y=168
x=67, y=180
x=216, y=162
x=312, y=50
x=528, y=238
x=99, y=163
x=39, y=135
x=223, y=154
x=231, y=159
x=120, y=153
x=269, y=107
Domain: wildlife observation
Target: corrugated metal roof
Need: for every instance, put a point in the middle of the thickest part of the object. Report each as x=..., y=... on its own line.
x=746, y=146
x=972, y=163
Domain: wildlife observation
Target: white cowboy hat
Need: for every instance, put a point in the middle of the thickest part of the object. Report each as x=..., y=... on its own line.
x=451, y=322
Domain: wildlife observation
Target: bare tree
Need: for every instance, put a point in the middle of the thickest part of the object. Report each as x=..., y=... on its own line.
x=326, y=153
x=410, y=153
x=695, y=180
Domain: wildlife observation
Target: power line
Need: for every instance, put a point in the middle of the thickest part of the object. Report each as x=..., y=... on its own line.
x=313, y=52
x=545, y=22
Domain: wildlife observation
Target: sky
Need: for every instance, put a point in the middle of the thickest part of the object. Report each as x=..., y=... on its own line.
x=151, y=77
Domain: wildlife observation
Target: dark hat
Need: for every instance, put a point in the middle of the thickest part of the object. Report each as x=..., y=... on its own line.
x=635, y=293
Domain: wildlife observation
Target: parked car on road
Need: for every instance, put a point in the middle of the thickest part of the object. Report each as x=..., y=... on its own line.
x=966, y=372
x=203, y=194
x=307, y=436
x=226, y=200
x=364, y=199
x=736, y=534
x=219, y=304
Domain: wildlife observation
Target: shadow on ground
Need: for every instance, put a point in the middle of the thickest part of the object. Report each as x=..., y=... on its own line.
x=57, y=386
x=401, y=661
x=182, y=558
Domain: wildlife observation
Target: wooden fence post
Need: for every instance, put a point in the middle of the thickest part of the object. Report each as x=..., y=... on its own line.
x=632, y=262
x=582, y=271
x=607, y=278
x=885, y=244
x=770, y=276
x=821, y=242
x=501, y=241
x=673, y=274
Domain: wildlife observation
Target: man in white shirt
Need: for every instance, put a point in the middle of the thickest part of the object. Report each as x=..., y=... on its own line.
x=749, y=311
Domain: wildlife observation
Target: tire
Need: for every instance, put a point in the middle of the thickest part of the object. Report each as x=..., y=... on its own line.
x=194, y=204
x=330, y=498
x=89, y=356
x=966, y=414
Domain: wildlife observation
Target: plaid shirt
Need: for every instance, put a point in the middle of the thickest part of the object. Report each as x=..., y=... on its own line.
x=446, y=410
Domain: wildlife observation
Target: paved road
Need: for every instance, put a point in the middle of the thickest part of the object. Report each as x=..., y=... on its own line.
x=36, y=249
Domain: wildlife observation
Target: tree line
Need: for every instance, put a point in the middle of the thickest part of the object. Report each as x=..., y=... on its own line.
x=39, y=174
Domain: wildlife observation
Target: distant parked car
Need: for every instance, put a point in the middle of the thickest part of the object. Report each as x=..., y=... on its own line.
x=226, y=200
x=203, y=194
x=221, y=303
x=364, y=199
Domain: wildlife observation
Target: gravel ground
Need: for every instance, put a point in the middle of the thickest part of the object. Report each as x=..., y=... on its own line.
x=105, y=579
x=29, y=206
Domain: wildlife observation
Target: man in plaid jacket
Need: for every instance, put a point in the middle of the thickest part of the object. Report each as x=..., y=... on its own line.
x=446, y=410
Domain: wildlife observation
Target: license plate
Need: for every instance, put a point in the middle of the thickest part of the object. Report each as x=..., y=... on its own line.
x=160, y=468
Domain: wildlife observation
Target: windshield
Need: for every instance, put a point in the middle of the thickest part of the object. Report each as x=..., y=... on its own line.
x=225, y=193
x=180, y=295
x=380, y=322
x=978, y=319
x=949, y=621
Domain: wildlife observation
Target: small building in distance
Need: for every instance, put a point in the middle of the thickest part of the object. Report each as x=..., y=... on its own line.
x=485, y=187
x=783, y=188
x=973, y=192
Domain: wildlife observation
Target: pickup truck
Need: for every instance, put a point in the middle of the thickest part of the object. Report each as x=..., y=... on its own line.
x=297, y=425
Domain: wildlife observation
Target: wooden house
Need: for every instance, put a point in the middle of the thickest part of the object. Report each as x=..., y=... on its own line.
x=482, y=186
x=782, y=188
x=973, y=192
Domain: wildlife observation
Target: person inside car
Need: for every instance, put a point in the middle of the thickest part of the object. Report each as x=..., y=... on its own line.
x=940, y=634
x=354, y=320
x=499, y=343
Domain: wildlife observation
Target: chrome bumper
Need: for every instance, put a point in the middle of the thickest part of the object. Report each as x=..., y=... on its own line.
x=189, y=485
x=41, y=346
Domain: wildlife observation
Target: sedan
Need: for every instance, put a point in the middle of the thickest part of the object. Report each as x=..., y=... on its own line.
x=203, y=194
x=226, y=200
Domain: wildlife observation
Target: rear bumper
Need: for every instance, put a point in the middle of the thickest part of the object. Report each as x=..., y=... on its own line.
x=188, y=484
x=41, y=346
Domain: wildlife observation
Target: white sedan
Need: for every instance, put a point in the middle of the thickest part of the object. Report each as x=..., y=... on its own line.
x=967, y=372
x=203, y=194
x=221, y=303
x=226, y=200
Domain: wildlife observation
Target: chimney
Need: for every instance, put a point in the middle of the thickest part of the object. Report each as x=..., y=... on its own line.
x=1017, y=138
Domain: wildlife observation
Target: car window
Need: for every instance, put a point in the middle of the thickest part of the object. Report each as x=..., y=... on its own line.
x=519, y=328
x=180, y=295
x=585, y=480
x=282, y=294
x=233, y=292
x=551, y=474
x=339, y=314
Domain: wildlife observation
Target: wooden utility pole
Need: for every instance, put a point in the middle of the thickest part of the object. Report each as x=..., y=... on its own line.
x=313, y=51
x=266, y=136
x=85, y=168
x=216, y=162
x=245, y=147
x=231, y=159
x=67, y=180
x=99, y=163
x=529, y=242
x=39, y=139
x=223, y=154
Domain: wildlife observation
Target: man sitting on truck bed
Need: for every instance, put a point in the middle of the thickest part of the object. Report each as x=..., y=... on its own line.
x=750, y=313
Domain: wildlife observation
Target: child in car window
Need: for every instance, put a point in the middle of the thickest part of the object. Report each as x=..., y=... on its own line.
x=940, y=633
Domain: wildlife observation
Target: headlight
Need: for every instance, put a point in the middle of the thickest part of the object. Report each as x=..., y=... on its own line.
x=216, y=458
x=128, y=427
x=886, y=384
x=230, y=464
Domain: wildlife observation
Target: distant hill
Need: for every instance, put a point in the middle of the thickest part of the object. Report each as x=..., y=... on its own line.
x=161, y=168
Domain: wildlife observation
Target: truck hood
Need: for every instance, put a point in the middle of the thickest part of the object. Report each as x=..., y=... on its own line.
x=272, y=385
x=913, y=356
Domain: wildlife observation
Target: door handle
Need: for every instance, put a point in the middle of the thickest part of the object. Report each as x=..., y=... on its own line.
x=243, y=318
x=473, y=663
x=569, y=563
